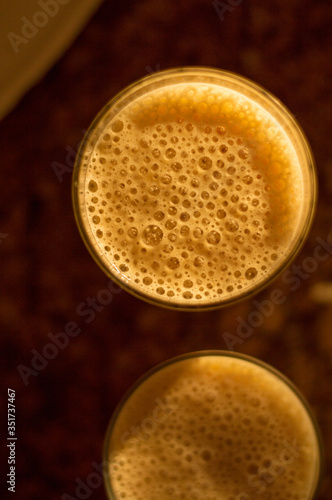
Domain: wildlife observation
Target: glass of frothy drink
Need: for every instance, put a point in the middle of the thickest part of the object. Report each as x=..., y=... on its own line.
x=194, y=188
x=212, y=425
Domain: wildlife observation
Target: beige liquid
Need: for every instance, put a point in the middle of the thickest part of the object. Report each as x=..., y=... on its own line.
x=193, y=194
x=213, y=428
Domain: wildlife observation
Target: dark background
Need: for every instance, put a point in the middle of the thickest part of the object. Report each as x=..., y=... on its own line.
x=63, y=411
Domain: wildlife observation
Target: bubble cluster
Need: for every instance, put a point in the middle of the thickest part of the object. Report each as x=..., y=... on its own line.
x=189, y=185
x=213, y=428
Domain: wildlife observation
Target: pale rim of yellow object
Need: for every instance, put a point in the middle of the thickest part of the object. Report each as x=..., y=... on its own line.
x=227, y=80
x=319, y=469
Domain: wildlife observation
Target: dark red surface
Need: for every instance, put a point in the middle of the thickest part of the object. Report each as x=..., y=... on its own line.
x=63, y=411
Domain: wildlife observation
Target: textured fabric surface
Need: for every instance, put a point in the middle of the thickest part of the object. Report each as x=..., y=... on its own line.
x=48, y=276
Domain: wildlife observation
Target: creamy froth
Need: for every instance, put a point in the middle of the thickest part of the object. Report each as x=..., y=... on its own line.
x=193, y=194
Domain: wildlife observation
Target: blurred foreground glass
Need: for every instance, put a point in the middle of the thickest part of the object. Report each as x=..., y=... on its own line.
x=212, y=425
x=194, y=188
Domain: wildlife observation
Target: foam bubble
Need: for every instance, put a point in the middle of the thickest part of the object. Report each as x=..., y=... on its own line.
x=152, y=235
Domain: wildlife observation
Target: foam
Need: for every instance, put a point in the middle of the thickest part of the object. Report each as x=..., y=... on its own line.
x=213, y=428
x=193, y=193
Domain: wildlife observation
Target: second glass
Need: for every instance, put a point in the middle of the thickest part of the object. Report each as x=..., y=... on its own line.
x=212, y=425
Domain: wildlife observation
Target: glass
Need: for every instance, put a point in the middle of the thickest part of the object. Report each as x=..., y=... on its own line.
x=194, y=188
x=212, y=424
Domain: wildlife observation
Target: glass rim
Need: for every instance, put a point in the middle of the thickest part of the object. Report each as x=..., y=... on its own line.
x=304, y=226
x=216, y=353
